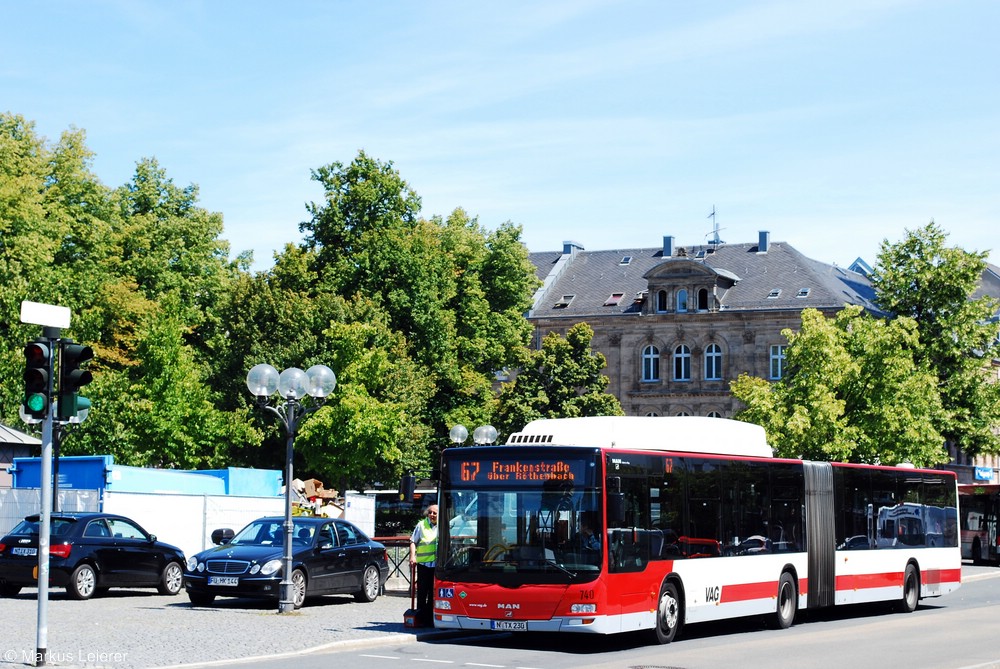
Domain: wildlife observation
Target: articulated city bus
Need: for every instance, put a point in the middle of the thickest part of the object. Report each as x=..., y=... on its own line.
x=614, y=524
x=980, y=506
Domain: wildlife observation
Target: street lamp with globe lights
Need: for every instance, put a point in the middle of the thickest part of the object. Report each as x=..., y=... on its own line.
x=292, y=386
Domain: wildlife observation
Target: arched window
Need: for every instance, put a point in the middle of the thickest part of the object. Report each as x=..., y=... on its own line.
x=650, y=363
x=713, y=362
x=714, y=414
x=661, y=301
x=703, y=299
x=682, y=300
x=683, y=413
x=682, y=363
x=652, y=414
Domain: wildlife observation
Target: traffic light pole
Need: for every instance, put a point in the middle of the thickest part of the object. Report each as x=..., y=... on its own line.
x=44, y=529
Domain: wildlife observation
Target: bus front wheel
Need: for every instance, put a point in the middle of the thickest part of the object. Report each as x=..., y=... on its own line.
x=669, y=615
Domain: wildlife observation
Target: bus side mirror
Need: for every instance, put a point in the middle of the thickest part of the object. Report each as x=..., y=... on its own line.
x=407, y=488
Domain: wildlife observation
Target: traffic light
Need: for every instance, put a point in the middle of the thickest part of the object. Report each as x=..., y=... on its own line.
x=37, y=378
x=71, y=377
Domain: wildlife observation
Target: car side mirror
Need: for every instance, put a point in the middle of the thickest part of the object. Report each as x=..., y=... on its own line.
x=152, y=538
x=223, y=535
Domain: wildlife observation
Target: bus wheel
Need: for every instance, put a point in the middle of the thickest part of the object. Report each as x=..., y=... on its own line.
x=911, y=590
x=668, y=614
x=788, y=602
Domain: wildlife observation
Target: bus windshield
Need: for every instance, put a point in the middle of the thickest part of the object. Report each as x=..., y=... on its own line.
x=506, y=515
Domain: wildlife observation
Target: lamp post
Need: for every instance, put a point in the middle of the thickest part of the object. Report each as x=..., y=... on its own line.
x=292, y=385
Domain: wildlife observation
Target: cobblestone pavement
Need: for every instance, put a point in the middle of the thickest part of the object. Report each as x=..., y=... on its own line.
x=138, y=628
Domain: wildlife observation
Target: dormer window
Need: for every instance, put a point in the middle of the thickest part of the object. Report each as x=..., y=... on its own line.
x=773, y=295
x=803, y=293
x=563, y=302
x=613, y=299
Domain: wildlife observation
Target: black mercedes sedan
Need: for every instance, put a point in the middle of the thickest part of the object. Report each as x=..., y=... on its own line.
x=89, y=553
x=329, y=556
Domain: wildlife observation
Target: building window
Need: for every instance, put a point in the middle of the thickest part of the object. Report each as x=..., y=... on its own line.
x=682, y=300
x=613, y=299
x=661, y=301
x=683, y=413
x=803, y=293
x=703, y=299
x=713, y=363
x=650, y=363
x=563, y=302
x=651, y=414
x=777, y=361
x=774, y=294
x=714, y=414
x=626, y=260
x=682, y=363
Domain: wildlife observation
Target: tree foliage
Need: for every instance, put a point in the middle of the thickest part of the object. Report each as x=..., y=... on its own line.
x=923, y=279
x=561, y=380
x=853, y=392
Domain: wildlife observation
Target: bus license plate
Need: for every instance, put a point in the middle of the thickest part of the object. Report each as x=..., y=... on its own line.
x=509, y=625
x=21, y=550
x=223, y=580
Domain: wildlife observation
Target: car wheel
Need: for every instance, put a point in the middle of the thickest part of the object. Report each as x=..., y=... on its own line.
x=9, y=590
x=369, y=585
x=171, y=580
x=82, y=583
x=298, y=588
x=201, y=598
x=669, y=614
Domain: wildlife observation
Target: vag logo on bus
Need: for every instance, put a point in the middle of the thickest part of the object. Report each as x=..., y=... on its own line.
x=713, y=593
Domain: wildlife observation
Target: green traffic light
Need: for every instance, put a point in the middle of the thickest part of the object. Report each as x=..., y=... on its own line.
x=35, y=402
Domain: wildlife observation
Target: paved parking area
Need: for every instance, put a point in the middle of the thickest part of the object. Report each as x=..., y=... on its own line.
x=140, y=628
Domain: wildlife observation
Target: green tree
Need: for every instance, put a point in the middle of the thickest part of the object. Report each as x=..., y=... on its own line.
x=456, y=292
x=923, y=279
x=853, y=392
x=561, y=380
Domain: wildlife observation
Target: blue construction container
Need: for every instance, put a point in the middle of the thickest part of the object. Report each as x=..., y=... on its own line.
x=245, y=482
x=98, y=472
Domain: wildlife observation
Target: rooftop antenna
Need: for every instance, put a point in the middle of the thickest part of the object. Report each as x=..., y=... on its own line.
x=715, y=241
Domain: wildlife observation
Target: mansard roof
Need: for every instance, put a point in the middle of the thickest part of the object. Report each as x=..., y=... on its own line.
x=580, y=283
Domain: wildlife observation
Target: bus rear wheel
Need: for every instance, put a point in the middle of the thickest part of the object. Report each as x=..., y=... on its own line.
x=787, y=603
x=911, y=590
x=669, y=615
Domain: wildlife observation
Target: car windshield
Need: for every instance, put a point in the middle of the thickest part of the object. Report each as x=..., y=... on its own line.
x=271, y=533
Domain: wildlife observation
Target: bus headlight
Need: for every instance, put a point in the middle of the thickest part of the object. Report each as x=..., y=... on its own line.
x=442, y=605
x=583, y=608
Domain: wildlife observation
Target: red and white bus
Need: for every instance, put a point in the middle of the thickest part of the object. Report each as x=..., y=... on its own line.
x=980, y=505
x=694, y=521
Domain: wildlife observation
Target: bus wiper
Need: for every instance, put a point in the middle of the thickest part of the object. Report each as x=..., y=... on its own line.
x=553, y=563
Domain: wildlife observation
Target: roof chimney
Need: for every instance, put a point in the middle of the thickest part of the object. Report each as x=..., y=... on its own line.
x=571, y=247
x=763, y=241
x=668, y=246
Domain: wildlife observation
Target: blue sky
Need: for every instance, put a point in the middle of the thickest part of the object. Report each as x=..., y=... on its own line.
x=833, y=125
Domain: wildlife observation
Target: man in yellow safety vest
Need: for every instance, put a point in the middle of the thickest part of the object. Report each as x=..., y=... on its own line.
x=423, y=549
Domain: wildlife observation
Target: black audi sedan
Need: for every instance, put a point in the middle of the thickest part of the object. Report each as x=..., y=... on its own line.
x=89, y=553
x=329, y=556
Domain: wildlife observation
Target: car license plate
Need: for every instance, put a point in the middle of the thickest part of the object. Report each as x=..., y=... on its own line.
x=509, y=625
x=21, y=550
x=223, y=580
